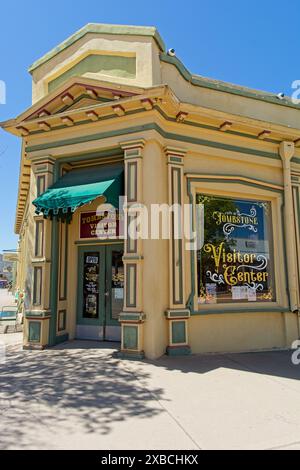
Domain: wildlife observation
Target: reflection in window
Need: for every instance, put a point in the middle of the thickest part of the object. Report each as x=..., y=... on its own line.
x=235, y=259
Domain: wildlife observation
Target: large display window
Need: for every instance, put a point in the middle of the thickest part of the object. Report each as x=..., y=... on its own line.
x=235, y=255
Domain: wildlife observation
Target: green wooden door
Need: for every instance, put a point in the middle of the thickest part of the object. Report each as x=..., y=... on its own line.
x=100, y=292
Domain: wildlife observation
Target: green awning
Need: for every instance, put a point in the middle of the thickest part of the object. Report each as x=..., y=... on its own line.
x=79, y=187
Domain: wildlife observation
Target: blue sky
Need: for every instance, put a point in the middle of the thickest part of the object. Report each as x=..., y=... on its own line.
x=255, y=44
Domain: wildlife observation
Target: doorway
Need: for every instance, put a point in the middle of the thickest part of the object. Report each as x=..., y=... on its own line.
x=100, y=292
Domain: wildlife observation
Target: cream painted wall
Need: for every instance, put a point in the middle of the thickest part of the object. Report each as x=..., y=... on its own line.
x=156, y=254
x=240, y=332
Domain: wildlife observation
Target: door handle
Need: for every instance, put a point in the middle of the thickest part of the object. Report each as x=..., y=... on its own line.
x=106, y=293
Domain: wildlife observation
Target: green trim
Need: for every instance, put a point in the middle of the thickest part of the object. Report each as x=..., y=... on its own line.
x=190, y=302
x=34, y=332
x=188, y=123
x=37, y=288
x=218, y=85
x=37, y=314
x=155, y=127
x=115, y=152
x=99, y=242
x=177, y=313
x=106, y=64
x=132, y=355
x=176, y=159
x=130, y=266
x=176, y=197
x=297, y=220
x=94, y=28
x=130, y=337
x=65, y=264
x=61, y=338
x=178, y=329
x=99, y=321
x=230, y=179
x=79, y=187
x=138, y=317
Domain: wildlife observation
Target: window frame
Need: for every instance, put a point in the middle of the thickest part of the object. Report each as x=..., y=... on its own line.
x=238, y=190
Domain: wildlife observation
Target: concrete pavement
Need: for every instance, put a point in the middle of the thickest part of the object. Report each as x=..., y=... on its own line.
x=6, y=298
x=79, y=396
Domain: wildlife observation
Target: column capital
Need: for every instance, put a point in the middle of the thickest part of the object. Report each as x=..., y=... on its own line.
x=42, y=159
x=133, y=148
x=178, y=151
x=132, y=144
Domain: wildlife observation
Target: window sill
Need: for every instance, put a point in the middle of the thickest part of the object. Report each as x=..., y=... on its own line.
x=274, y=308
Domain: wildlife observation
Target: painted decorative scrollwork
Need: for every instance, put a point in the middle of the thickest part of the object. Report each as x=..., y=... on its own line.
x=229, y=227
x=260, y=258
x=219, y=279
x=254, y=285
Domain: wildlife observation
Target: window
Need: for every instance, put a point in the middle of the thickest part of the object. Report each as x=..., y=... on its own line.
x=235, y=256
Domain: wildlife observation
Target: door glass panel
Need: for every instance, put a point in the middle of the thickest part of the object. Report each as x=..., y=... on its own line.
x=91, y=263
x=117, y=284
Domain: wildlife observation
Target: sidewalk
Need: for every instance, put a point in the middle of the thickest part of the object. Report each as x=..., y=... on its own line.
x=79, y=396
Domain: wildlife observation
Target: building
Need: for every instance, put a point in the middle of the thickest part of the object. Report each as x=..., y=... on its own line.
x=8, y=260
x=113, y=114
x=10, y=264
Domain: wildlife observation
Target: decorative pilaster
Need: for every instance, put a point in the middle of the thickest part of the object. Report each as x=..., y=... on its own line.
x=132, y=317
x=37, y=312
x=177, y=315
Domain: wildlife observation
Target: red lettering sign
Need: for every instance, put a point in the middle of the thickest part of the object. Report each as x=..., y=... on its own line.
x=101, y=226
